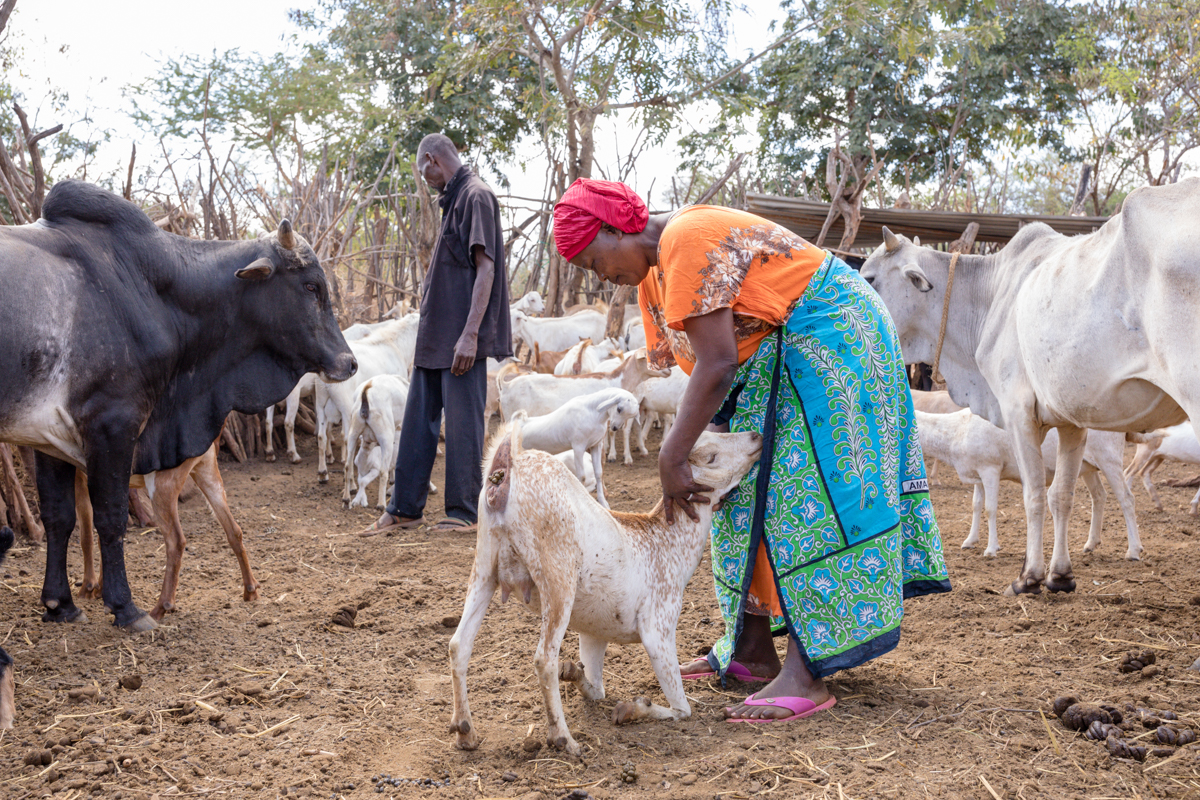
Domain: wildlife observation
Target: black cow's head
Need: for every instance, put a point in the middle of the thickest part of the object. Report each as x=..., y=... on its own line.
x=292, y=310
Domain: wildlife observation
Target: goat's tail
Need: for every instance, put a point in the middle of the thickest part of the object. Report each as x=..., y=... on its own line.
x=502, y=451
x=364, y=410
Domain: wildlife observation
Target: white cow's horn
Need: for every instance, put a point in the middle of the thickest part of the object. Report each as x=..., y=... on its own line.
x=891, y=241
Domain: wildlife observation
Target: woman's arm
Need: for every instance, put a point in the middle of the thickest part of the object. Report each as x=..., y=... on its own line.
x=715, y=346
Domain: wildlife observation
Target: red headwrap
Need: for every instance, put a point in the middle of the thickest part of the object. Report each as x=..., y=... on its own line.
x=586, y=204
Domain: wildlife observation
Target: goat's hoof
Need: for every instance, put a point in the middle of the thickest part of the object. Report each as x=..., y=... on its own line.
x=322, y=477
x=566, y=743
x=968, y=545
x=570, y=671
x=1130, y=555
x=1060, y=583
x=294, y=458
x=631, y=711
x=992, y=553
x=270, y=458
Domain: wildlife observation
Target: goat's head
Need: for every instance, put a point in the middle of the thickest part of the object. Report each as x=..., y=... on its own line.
x=721, y=460
x=621, y=406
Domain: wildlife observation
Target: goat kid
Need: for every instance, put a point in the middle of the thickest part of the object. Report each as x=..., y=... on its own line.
x=1176, y=443
x=611, y=577
x=581, y=425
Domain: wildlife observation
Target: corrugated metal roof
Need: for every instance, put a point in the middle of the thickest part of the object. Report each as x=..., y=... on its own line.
x=805, y=218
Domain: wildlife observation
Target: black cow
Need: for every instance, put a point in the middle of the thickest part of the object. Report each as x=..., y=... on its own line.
x=122, y=346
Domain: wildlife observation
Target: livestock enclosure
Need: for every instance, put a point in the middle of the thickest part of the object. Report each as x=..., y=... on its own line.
x=273, y=699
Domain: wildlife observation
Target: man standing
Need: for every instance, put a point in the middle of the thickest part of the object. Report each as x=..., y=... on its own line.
x=464, y=320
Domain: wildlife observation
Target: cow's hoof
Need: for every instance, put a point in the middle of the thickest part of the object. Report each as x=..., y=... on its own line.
x=67, y=613
x=465, y=736
x=250, y=593
x=1022, y=586
x=93, y=592
x=270, y=458
x=1060, y=583
x=140, y=624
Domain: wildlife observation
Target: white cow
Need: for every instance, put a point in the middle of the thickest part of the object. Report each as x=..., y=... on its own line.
x=1061, y=332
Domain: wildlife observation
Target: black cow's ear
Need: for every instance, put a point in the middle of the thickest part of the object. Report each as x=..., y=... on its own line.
x=258, y=270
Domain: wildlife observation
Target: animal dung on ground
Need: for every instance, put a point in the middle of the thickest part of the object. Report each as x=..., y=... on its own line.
x=1134, y=661
x=1061, y=704
x=1119, y=748
x=131, y=682
x=1176, y=738
x=345, y=616
x=451, y=621
x=1099, y=731
x=1080, y=716
x=629, y=773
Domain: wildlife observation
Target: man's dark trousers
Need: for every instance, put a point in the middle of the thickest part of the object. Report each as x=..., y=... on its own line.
x=463, y=398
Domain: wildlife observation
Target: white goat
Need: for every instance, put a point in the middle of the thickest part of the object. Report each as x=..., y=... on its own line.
x=1176, y=443
x=388, y=350
x=611, y=577
x=635, y=333
x=307, y=385
x=580, y=425
x=589, y=473
x=982, y=454
x=538, y=394
x=581, y=359
x=380, y=403
x=530, y=304
x=934, y=403
x=557, y=333
x=659, y=396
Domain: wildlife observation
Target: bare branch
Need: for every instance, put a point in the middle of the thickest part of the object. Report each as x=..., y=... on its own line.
x=6, y=9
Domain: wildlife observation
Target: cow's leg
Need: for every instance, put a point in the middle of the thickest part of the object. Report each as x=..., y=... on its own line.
x=108, y=466
x=556, y=613
x=665, y=662
x=269, y=432
x=976, y=517
x=208, y=477
x=1027, y=447
x=479, y=593
x=87, y=531
x=164, y=488
x=56, y=496
x=598, y=467
x=1095, y=487
x=1071, y=442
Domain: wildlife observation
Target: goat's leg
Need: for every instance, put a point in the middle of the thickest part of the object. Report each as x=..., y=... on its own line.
x=1095, y=487
x=976, y=516
x=555, y=616
x=588, y=675
x=668, y=421
x=665, y=662
x=991, y=497
x=1148, y=482
x=625, y=433
x=365, y=480
x=933, y=468
x=385, y=434
x=352, y=428
x=322, y=440
x=164, y=488
x=598, y=467
x=208, y=478
x=289, y=426
x=611, y=436
x=269, y=432
x=87, y=537
x=481, y=588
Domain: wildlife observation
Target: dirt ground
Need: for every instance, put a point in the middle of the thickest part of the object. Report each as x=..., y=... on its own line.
x=271, y=699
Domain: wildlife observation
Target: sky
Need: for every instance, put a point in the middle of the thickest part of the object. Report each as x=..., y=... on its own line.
x=92, y=50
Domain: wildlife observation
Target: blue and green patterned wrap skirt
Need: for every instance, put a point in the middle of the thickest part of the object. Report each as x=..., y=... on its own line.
x=844, y=507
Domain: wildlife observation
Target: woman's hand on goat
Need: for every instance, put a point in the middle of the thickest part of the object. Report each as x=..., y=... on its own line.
x=680, y=488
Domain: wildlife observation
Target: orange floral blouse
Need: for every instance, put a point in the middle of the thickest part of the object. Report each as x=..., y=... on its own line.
x=710, y=257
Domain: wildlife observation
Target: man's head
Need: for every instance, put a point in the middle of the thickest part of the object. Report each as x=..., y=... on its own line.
x=437, y=159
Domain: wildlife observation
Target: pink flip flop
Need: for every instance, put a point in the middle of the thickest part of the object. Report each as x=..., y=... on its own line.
x=737, y=671
x=800, y=707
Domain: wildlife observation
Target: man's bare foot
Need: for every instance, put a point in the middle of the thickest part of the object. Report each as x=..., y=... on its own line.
x=794, y=680
x=388, y=522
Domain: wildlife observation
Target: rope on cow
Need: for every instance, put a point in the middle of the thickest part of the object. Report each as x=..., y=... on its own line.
x=937, y=355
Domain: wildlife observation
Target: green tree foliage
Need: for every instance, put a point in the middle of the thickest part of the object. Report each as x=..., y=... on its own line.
x=987, y=76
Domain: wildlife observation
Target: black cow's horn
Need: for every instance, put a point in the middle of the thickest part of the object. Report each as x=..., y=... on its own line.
x=891, y=241
x=287, y=237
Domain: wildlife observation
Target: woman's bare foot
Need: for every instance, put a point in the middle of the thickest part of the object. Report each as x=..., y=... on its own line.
x=755, y=650
x=794, y=680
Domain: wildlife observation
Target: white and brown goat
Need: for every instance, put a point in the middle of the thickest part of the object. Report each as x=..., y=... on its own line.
x=612, y=577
